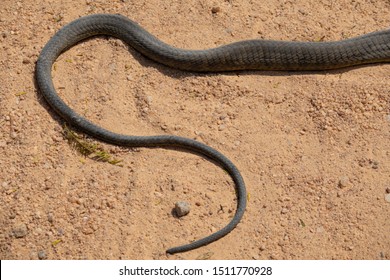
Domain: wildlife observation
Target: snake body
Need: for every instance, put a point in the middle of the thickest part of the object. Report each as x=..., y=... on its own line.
x=243, y=55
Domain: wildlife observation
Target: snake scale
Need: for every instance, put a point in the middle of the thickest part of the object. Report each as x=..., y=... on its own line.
x=244, y=55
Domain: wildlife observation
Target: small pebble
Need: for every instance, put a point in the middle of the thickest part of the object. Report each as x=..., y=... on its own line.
x=50, y=217
x=215, y=10
x=221, y=127
x=320, y=229
x=284, y=210
x=387, y=197
x=375, y=165
x=20, y=230
x=344, y=182
x=182, y=208
x=42, y=255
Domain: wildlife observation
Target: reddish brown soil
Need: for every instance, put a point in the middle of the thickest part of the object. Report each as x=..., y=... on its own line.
x=313, y=148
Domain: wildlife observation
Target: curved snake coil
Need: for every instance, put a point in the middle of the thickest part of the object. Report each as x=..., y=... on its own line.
x=244, y=55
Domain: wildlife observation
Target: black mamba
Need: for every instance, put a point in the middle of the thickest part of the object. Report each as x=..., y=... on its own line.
x=138, y=271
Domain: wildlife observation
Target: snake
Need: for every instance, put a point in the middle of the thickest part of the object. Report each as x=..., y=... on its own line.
x=257, y=54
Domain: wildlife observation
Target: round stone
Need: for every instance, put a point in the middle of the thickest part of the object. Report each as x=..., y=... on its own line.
x=182, y=208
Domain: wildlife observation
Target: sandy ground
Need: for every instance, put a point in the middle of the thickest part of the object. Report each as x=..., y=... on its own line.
x=313, y=148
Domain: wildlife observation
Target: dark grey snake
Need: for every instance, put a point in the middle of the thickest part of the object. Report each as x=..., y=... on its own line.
x=244, y=55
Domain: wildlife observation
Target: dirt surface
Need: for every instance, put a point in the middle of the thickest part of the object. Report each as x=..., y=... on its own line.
x=313, y=148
